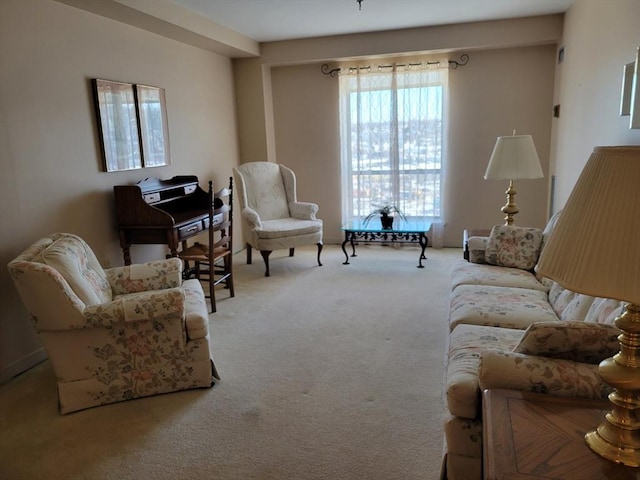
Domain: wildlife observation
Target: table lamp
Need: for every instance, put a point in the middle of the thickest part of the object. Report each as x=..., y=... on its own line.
x=595, y=250
x=513, y=158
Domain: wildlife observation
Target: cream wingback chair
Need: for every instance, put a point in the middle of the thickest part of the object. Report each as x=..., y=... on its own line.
x=272, y=217
x=113, y=334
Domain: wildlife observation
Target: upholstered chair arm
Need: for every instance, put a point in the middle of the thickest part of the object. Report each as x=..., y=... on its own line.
x=517, y=371
x=477, y=246
x=251, y=217
x=303, y=210
x=142, y=277
x=136, y=307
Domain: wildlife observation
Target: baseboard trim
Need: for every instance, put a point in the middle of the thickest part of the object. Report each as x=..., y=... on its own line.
x=22, y=365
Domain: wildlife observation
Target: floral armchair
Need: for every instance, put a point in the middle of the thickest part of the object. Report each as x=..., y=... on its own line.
x=113, y=334
x=272, y=217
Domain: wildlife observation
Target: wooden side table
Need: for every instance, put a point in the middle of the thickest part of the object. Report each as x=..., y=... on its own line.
x=537, y=436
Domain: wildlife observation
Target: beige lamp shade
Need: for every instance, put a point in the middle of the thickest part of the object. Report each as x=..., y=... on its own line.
x=595, y=247
x=514, y=158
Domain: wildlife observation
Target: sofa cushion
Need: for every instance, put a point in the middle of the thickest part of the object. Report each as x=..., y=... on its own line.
x=516, y=247
x=604, y=310
x=576, y=341
x=466, y=342
x=287, y=227
x=465, y=273
x=505, y=307
x=569, y=306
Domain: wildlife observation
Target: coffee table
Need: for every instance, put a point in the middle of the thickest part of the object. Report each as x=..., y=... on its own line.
x=410, y=231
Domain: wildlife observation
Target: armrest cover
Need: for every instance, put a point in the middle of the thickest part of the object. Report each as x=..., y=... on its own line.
x=563, y=378
x=303, y=210
x=477, y=247
x=135, y=307
x=251, y=217
x=142, y=277
x=584, y=342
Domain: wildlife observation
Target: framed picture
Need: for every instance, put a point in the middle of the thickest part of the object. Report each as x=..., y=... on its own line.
x=634, y=122
x=117, y=125
x=154, y=129
x=627, y=88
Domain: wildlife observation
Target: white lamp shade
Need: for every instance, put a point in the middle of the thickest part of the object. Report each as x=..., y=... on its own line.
x=514, y=158
x=595, y=246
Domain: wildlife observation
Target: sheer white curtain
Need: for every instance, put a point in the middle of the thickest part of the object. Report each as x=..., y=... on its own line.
x=393, y=138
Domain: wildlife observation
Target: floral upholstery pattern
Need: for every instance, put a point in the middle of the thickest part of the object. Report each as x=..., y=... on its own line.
x=515, y=247
x=466, y=273
x=264, y=190
x=466, y=343
x=477, y=247
x=517, y=371
x=498, y=306
x=77, y=264
x=155, y=275
x=513, y=329
x=147, y=334
x=464, y=447
x=604, y=310
x=568, y=305
x=584, y=342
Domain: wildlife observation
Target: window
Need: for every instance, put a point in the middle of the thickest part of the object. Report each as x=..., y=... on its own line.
x=392, y=137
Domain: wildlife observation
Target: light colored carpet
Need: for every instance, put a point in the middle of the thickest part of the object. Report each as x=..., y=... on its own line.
x=331, y=373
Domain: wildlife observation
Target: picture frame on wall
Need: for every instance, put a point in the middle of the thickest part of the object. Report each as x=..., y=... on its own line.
x=634, y=122
x=630, y=98
x=117, y=125
x=154, y=128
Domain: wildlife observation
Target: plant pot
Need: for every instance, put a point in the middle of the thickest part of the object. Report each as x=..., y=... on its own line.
x=387, y=222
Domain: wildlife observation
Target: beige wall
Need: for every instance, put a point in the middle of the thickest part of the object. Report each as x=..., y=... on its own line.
x=599, y=38
x=498, y=91
x=51, y=178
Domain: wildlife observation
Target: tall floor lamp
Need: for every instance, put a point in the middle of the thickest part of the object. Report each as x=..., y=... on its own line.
x=513, y=158
x=595, y=250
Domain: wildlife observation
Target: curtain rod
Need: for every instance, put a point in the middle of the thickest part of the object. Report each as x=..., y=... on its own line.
x=453, y=64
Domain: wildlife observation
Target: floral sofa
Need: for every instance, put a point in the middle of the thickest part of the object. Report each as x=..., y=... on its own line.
x=510, y=328
x=113, y=334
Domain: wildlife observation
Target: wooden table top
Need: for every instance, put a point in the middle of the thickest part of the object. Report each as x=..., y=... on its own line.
x=539, y=436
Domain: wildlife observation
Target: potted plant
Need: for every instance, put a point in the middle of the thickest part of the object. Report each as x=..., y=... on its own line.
x=386, y=213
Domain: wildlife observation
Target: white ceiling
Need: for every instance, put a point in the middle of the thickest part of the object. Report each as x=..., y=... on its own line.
x=272, y=20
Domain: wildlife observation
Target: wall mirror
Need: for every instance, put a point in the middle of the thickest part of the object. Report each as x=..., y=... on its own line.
x=154, y=134
x=132, y=122
x=118, y=125
x=630, y=99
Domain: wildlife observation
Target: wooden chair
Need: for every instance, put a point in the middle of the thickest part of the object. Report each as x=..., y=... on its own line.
x=212, y=262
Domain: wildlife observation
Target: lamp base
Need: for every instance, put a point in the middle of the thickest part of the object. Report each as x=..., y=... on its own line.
x=618, y=438
x=614, y=452
x=510, y=209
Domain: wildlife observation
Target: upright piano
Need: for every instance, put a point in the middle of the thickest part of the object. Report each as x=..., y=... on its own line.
x=157, y=211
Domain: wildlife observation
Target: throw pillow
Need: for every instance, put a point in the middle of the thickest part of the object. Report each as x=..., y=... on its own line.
x=515, y=247
x=578, y=341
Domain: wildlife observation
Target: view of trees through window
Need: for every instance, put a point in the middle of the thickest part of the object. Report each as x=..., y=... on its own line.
x=395, y=149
